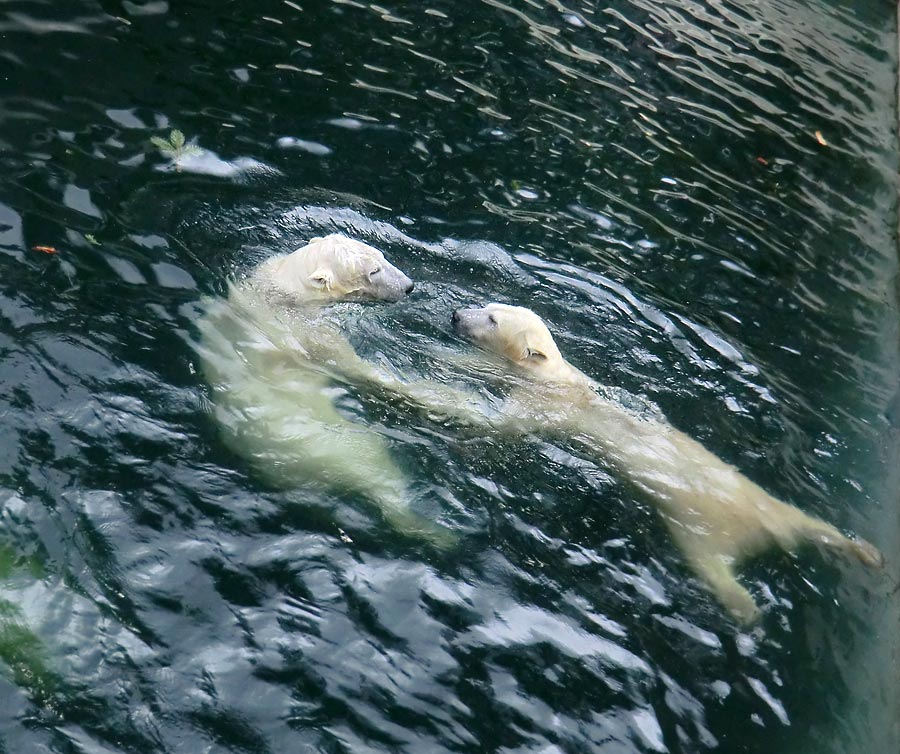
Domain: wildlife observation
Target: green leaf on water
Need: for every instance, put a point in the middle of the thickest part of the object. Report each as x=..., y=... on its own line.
x=175, y=148
x=161, y=144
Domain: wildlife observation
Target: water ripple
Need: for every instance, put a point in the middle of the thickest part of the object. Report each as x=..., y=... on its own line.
x=700, y=200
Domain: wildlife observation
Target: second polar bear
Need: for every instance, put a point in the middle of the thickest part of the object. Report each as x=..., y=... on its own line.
x=276, y=359
x=716, y=515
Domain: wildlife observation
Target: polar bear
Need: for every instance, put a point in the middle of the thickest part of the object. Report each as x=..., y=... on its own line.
x=276, y=360
x=716, y=515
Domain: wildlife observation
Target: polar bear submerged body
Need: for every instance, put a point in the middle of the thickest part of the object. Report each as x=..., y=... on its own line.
x=716, y=515
x=276, y=359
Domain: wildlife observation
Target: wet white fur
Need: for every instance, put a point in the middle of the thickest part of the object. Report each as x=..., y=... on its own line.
x=715, y=514
x=275, y=361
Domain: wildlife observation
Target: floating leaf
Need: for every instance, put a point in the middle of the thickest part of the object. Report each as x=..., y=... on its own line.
x=161, y=144
x=91, y=239
x=175, y=148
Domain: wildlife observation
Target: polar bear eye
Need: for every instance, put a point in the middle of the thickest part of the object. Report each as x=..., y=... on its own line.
x=492, y=319
x=374, y=272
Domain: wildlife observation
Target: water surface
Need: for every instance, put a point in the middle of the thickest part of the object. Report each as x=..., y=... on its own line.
x=700, y=199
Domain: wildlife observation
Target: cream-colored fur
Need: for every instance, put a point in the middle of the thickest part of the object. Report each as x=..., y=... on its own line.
x=333, y=268
x=716, y=515
x=275, y=360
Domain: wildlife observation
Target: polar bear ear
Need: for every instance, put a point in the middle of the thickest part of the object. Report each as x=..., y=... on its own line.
x=322, y=279
x=534, y=354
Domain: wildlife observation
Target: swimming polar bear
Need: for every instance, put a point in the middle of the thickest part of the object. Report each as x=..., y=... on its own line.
x=715, y=514
x=275, y=360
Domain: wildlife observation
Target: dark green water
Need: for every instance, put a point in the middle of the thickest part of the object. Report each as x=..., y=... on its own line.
x=647, y=175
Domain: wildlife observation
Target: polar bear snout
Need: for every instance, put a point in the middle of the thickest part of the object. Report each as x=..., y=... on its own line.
x=483, y=321
x=482, y=326
x=387, y=283
x=466, y=321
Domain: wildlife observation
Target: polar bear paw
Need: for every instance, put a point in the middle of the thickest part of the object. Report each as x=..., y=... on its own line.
x=867, y=553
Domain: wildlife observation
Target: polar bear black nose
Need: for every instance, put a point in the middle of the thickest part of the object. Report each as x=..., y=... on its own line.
x=409, y=288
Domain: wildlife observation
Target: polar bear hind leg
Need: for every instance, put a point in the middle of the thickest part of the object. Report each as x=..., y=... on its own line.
x=717, y=571
x=790, y=527
x=716, y=562
x=719, y=575
x=825, y=535
x=288, y=426
x=354, y=458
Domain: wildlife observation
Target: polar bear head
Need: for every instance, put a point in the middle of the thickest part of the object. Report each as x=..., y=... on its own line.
x=335, y=268
x=513, y=332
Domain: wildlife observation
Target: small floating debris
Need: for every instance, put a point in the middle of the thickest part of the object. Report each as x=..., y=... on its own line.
x=190, y=158
x=175, y=148
x=821, y=139
x=762, y=160
x=45, y=249
x=345, y=538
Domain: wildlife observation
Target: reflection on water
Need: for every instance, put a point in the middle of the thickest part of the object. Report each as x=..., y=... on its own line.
x=699, y=198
